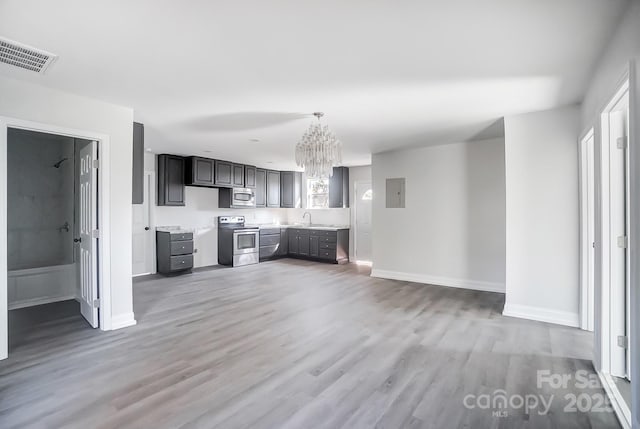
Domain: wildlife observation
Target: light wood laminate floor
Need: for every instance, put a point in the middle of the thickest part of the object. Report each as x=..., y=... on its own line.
x=291, y=344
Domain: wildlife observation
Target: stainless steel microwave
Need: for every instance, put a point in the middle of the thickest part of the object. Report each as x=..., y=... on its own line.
x=237, y=198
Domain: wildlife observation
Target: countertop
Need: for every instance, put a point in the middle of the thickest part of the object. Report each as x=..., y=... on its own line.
x=303, y=226
x=174, y=229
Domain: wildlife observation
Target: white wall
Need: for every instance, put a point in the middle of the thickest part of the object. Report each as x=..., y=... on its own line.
x=452, y=231
x=542, y=262
x=43, y=105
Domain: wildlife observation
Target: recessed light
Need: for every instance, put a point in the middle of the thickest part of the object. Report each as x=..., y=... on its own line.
x=207, y=151
x=148, y=149
x=269, y=162
x=254, y=140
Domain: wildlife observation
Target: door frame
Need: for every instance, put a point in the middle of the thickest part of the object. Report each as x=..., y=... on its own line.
x=104, y=255
x=587, y=249
x=604, y=242
x=150, y=181
x=355, y=222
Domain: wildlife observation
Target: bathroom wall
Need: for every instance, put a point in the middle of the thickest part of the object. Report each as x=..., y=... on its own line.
x=40, y=199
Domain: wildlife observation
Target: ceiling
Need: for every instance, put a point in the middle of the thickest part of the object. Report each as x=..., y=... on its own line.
x=211, y=77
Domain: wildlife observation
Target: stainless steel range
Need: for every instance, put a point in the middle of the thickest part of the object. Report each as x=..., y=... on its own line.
x=237, y=244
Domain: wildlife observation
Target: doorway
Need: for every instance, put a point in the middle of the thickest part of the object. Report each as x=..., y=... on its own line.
x=362, y=236
x=615, y=255
x=143, y=251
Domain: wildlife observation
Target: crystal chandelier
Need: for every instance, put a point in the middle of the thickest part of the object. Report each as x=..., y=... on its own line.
x=318, y=151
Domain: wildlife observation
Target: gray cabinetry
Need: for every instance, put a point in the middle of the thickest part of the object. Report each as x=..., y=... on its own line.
x=273, y=188
x=199, y=172
x=174, y=251
x=339, y=188
x=249, y=176
x=138, y=164
x=170, y=180
x=269, y=243
x=323, y=245
x=223, y=173
x=290, y=189
x=238, y=176
x=261, y=187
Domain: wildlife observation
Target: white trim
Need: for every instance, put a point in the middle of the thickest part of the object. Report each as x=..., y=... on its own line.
x=104, y=207
x=355, y=218
x=122, y=321
x=587, y=251
x=440, y=281
x=40, y=301
x=542, y=314
x=618, y=404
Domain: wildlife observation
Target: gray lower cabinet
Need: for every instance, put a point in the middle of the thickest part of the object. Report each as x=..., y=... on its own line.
x=170, y=180
x=322, y=245
x=269, y=243
x=174, y=251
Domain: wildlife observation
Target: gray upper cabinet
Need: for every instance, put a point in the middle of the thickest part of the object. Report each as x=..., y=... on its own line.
x=339, y=188
x=138, y=164
x=238, y=176
x=199, y=172
x=261, y=187
x=170, y=180
x=273, y=188
x=223, y=173
x=290, y=189
x=249, y=176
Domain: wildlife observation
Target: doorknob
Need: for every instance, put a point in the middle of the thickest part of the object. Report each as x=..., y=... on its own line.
x=146, y=228
x=77, y=240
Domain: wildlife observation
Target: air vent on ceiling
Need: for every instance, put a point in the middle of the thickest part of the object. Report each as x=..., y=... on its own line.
x=24, y=56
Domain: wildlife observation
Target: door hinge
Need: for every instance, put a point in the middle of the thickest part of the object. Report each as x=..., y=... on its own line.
x=623, y=341
x=95, y=163
x=623, y=242
x=96, y=303
x=95, y=233
x=622, y=142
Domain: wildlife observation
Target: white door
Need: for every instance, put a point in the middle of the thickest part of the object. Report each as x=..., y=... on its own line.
x=364, y=196
x=587, y=294
x=88, y=223
x=143, y=231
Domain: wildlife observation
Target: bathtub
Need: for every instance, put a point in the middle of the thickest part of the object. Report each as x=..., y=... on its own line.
x=41, y=285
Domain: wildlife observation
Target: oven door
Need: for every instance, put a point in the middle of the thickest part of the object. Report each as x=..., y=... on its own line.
x=243, y=197
x=246, y=241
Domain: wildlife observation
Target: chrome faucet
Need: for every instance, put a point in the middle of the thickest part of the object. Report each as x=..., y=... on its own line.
x=305, y=214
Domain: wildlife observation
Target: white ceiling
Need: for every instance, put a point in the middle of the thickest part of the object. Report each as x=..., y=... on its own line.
x=213, y=75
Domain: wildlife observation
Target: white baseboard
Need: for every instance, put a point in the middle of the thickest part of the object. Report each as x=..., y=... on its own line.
x=122, y=321
x=39, y=301
x=439, y=281
x=542, y=314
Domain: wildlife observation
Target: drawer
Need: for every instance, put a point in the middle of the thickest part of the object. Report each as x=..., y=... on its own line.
x=321, y=233
x=268, y=251
x=327, y=254
x=269, y=240
x=269, y=231
x=181, y=247
x=327, y=246
x=181, y=236
x=328, y=239
x=181, y=262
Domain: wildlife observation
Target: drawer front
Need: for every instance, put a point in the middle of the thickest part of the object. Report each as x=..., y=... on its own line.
x=327, y=246
x=181, y=247
x=328, y=239
x=269, y=231
x=269, y=240
x=268, y=251
x=329, y=254
x=321, y=233
x=182, y=236
x=181, y=262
